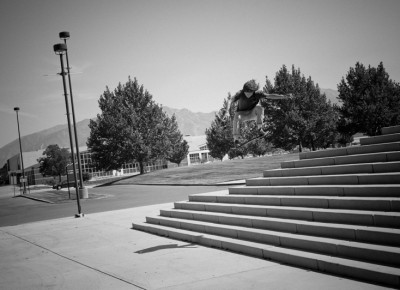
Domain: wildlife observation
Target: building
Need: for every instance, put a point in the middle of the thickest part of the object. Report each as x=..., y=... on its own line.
x=198, y=151
x=198, y=154
x=31, y=165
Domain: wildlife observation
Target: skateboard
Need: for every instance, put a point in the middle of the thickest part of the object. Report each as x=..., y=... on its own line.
x=251, y=140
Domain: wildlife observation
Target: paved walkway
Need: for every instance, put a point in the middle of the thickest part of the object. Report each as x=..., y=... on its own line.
x=101, y=251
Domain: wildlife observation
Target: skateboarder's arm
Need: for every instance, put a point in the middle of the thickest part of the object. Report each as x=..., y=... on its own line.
x=276, y=96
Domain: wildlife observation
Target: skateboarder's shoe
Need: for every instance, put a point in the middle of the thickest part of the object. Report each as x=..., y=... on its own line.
x=261, y=133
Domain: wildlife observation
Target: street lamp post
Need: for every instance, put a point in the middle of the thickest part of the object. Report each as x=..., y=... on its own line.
x=65, y=35
x=61, y=49
x=16, y=109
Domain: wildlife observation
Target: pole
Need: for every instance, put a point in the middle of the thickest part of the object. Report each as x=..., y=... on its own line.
x=20, y=150
x=70, y=133
x=74, y=122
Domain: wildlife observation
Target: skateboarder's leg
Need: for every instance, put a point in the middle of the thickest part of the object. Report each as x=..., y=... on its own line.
x=235, y=126
x=259, y=112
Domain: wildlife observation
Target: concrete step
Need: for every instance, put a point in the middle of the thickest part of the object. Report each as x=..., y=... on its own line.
x=342, y=179
x=341, y=160
x=339, y=216
x=390, y=130
x=388, y=138
x=318, y=262
x=385, y=255
x=354, y=150
x=373, y=235
x=375, y=167
x=338, y=202
x=373, y=190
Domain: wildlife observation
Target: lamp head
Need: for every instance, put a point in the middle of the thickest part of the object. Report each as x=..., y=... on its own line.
x=16, y=109
x=64, y=35
x=60, y=48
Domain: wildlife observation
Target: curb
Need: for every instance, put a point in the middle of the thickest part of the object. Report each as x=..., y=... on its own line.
x=35, y=198
x=197, y=184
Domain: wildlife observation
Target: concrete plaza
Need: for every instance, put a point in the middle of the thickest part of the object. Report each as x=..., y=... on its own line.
x=101, y=251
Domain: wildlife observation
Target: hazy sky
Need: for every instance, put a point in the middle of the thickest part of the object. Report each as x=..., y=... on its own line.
x=187, y=54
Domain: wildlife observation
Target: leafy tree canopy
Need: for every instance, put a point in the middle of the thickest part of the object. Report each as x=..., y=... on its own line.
x=55, y=161
x=219, y=135
x=131, y=128
x=369, y=100
x=306, y=120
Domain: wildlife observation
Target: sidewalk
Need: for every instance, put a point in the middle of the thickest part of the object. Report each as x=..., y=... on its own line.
x=101, y=251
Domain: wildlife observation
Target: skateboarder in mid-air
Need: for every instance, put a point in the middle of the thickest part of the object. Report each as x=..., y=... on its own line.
x=249, y=108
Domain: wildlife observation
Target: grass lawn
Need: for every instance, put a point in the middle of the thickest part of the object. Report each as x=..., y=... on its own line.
x=212, y=173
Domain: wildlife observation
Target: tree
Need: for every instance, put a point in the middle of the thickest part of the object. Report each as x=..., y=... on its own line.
x=180, y=151
x=131, y=128
x=259, y=147
x=219, y=135
x=55, y=161
x=306, y=120
x=179, y=147
x=4, y=174
x=369, y=101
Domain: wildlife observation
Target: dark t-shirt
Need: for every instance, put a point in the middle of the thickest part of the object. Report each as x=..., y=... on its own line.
x=245, y=103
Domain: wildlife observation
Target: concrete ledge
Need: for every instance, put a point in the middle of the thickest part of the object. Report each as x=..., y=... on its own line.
x=355, y=150
x=263, y=200
x=342, y=160
x=244, y=248
x=323, y=153
x=358, y=190
x=290, y=213
x=380, y=236
x=393, y=156
x=386, y=167
x=338, y=179
x=190, y=205
x=344, y=217
x=333, y=179
x=304, y=202
x=391, y=130
x=380, y=139
x=389, y=220
x=206, y=217
x=383, y=236
x=333, y=200
x=324, y=190
x=275, y=190
x=308, y=163
x=375, y=148
x=231, y=199
x=243, y=190
x=203, y=198
x=274, y=224
x=379, y=178
x=287, y=240
x=319, y=262
x=347, y=169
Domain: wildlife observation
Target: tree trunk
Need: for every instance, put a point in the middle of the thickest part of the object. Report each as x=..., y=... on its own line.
x=141, y=167
x=300, y=147
x=312, y=145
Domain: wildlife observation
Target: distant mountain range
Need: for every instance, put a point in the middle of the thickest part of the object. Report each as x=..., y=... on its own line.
x=189, y=123
x=331, y=95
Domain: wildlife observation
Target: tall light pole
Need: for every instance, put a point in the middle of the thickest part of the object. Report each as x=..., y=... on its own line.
x=60, y=49
x=16, y=109
x=65, y=35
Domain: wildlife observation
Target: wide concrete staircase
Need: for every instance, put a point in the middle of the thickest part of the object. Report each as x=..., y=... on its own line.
x=335, y=211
